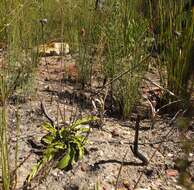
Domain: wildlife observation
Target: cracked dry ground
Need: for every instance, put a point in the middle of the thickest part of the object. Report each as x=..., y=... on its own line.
x=106, y=147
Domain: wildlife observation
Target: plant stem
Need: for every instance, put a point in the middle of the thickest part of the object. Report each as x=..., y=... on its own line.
x=4, y=141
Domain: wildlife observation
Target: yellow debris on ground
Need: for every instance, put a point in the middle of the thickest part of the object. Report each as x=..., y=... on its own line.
x=53, y=48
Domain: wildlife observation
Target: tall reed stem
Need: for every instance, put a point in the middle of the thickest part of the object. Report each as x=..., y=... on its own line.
x=3, y=140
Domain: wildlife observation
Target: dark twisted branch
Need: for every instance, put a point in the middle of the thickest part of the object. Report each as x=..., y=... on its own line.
x=134, y=148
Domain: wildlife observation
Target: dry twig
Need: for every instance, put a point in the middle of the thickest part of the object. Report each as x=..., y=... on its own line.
x=46, y=114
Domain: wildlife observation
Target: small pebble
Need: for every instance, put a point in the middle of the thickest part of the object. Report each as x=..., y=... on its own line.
x=84, y=167
x=171, y=173
x=101, y=153
x=114, y=133
x=94, y=149
x=170, y=155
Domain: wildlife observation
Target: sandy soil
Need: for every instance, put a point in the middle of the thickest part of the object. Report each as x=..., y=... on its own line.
x=108, y=151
